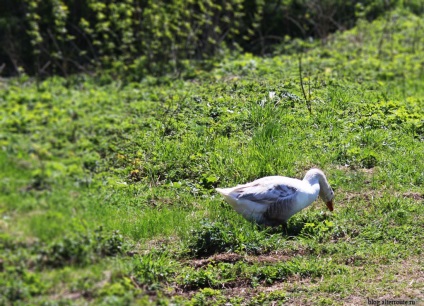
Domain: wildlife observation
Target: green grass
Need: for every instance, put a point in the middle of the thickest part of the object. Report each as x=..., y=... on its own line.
x=107, y=190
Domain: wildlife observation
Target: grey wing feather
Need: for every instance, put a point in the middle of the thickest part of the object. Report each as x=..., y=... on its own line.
x=269, y=195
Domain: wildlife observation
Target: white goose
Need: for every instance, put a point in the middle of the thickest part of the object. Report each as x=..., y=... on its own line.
x=272, y=200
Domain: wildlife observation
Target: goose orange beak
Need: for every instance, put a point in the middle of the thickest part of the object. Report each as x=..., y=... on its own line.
x=330, y=205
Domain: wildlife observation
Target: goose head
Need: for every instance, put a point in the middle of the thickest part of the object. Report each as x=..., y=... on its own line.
x=326, y=193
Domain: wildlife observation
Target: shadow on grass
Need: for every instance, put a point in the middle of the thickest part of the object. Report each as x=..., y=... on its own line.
x=294, y=226
x=284, y=230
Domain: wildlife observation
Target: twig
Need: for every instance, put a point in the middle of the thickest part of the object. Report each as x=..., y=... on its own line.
x=307, y=99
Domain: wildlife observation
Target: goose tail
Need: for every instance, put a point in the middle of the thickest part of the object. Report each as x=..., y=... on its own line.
x=226, y=193
x=223, y=191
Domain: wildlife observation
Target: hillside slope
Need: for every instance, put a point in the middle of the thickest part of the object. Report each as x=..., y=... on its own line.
x=107, y=188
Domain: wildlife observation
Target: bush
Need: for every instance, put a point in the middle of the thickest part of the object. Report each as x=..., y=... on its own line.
x=133, y=38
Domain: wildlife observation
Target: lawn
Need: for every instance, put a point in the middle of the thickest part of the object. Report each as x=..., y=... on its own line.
x=107, y=186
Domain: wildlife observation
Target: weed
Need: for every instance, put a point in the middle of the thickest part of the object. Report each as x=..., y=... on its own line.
x=20, y=285
x=211, y=238
x=153, y=270
x=80, y=249
x=276, y=297
x=208, y=296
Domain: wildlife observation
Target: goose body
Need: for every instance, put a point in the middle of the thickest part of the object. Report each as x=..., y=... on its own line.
x=272, y=200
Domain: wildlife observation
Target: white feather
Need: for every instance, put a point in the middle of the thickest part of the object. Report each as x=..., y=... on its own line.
x=272, y=200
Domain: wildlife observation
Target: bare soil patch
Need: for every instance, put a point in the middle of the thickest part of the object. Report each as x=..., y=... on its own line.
x=414, y=195
x=406, y=282
x=233, y=257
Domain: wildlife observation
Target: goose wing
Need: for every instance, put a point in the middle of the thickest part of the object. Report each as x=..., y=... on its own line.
x=277, y=200
x=268, y=193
